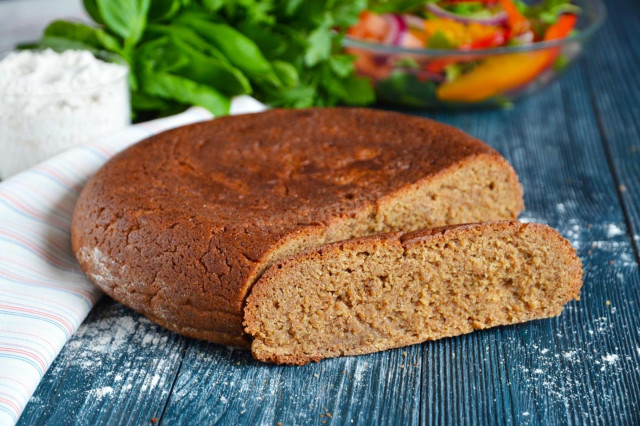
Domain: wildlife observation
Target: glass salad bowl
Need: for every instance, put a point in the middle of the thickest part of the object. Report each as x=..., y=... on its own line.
x=483, y=77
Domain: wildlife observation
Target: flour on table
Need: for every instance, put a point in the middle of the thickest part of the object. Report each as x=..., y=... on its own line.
x=610, y=358
x=117, y=338
x=102, y=392
x=557, y=373
x=614, y=230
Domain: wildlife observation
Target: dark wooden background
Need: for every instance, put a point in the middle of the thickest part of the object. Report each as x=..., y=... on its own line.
x=576, y=148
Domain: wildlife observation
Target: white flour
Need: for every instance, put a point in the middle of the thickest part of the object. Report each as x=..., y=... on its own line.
x=51, y=101
x=613, y=231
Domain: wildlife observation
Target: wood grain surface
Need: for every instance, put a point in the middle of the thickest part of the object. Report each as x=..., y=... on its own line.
x=576, y=149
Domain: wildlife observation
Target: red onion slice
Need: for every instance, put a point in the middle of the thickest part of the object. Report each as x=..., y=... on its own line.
x=414, y=22
x=525, y=38
x=497, y=19
x=397, y=29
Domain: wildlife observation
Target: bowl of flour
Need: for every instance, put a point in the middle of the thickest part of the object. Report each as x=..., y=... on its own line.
x=52, y=101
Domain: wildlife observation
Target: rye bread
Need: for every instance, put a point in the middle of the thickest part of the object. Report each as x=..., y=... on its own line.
x=391, y=290
x=180, y=226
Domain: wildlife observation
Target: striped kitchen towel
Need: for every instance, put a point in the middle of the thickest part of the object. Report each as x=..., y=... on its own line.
x=44, y=296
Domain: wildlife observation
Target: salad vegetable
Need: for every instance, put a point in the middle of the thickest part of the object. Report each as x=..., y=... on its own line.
x=498, y=74
x=463, y=26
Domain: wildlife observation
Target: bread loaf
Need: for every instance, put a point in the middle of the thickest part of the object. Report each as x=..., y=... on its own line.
x=180, y=226
x=397, y=289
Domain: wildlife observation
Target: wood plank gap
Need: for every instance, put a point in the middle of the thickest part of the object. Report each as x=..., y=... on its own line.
x=175, y=379
x=610, y=163
x=421, y=419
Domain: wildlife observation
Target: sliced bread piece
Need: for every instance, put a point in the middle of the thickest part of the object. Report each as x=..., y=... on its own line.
x=396, y=289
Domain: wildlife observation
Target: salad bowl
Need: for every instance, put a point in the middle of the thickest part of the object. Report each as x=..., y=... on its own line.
x=490, y=70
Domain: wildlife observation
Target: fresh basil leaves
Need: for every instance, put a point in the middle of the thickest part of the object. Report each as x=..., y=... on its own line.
x=287, y=53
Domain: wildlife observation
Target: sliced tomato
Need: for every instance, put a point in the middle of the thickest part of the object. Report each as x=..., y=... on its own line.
x=411, y=41
x=496, y=39
x=562, y=28
x=438, y=65
x=368, y=65
x=370, y=26
x=518, y=23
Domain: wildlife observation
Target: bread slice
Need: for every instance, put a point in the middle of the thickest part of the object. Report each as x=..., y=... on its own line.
x=397, y=289
x=180, y=226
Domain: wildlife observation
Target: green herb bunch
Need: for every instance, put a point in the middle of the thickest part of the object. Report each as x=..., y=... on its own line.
x=286, y=53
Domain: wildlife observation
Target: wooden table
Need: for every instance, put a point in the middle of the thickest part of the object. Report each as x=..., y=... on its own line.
x=576, y=148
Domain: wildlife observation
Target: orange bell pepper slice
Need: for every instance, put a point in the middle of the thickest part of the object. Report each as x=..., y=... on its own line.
x=502, y=73
x=494, y=76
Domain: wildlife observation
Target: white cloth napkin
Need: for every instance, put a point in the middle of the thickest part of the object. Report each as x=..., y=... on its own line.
x=44, y=296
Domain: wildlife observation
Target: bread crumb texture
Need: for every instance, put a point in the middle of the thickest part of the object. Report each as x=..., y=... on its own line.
x=180, y=226
x=391, y=290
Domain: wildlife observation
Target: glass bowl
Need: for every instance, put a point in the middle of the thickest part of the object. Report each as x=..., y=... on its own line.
x=406, y=77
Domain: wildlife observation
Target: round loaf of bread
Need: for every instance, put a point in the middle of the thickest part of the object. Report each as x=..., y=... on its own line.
x=180, y=226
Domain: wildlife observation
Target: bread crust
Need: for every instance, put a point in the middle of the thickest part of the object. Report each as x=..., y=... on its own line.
x=181, y=225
